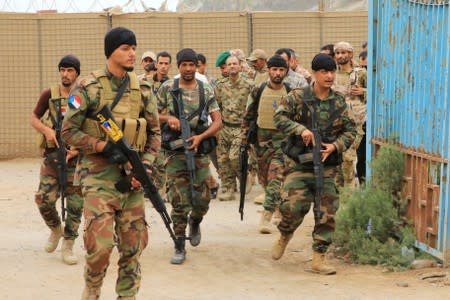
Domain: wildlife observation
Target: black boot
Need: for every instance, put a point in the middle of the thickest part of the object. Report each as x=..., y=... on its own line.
x=195, y=235
x=180, y=252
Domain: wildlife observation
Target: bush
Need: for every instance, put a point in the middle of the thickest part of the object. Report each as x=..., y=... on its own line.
x=369, y=223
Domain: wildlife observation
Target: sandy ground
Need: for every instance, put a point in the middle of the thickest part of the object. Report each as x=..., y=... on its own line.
x=232, y=262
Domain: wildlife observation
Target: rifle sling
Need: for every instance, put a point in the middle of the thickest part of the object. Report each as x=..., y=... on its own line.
x=120, y=92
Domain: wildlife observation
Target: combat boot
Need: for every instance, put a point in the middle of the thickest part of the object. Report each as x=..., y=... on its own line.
x=90, y=293
x=53, y=239
x=276, y=219
x=228, y=195
x=67, y=252
x=264, y=225
x=280, y=245
x=195, y=235
x=259, y=199
x=319, y=264
x=180, y=252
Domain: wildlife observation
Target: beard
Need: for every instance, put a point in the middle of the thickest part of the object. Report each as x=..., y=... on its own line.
x=66, y=84
x=188, y=76
x=343, y=61
x=129, y=69
x=277, y=79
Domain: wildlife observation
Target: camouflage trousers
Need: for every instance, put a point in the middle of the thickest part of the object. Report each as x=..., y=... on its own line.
x=298, y=192
x=228, y=156
x=270, y=175
x=179, y=191
x=346, y=171
x=112, y=218
x=48, y=194
x=159, y=172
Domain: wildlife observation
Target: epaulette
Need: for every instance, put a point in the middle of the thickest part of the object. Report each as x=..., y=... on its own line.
x=86, y=81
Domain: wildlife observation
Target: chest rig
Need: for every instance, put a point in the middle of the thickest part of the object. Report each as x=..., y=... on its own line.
x=126, y=110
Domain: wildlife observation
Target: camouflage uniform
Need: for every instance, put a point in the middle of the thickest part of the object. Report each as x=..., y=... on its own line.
x=268, y=146
x=178, y=181
x=299, y=185
x=343, y=83
x=232, y=97
x=159, y=167
x=48, y=191
x=112, y=218
x=295, y=80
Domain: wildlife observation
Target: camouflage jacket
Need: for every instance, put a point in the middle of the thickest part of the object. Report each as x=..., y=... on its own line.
x=291, y=112
x=232, y=98
x=295, y=80
x=88, y=95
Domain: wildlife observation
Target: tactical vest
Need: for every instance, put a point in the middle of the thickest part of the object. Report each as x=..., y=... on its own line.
x=49, y=119
x=343, y=84
x=126, y=112
x=268, y=104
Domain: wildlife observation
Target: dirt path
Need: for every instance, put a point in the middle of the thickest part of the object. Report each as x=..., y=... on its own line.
x=232, y=262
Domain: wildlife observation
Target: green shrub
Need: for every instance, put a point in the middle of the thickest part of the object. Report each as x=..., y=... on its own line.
x=369, y=222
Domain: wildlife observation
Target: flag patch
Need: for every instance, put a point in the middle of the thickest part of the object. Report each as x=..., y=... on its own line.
x=74, y=101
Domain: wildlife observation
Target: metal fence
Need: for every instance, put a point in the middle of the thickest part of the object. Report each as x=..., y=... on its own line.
x=32, y=45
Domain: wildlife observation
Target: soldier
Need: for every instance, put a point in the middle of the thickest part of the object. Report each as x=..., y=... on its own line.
x=295, y=66
x=113, y=217
x=257, y=60
x=221, y=63
x=246, y=70
x=47, y=195
x=231, y=95
x=163, y=65
x=197, y=102
x=201, y=68
x=148, y=64
x=351, y=81
x=262, y=103
x=292, y=78
x=337, y=128
x=328, y=49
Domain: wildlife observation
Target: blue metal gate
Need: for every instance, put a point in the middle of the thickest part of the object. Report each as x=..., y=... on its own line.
x=408, y=100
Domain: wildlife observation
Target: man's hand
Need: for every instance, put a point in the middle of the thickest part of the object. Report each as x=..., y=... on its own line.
x=328, y=149
x=50, y=136
x=308, y=137
x=195, y=141
x=71, y=153
x=357, y=91
x=173, y=123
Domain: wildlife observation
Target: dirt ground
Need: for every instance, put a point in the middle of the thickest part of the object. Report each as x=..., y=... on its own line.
x=232, y=262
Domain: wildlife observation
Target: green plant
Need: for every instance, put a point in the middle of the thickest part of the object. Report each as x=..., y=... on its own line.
x=370, y=222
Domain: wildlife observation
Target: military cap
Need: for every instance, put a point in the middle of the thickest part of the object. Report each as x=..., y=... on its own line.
x=257, y=54
x=150, y=54
x=343, y=46
x=222, y=57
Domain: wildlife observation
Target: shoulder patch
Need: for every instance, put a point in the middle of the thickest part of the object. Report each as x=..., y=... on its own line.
x=86, y=81
x=74, y=101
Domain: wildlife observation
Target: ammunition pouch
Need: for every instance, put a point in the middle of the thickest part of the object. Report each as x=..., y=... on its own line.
x=170, y=139
x=295, y=149
x=207, y=145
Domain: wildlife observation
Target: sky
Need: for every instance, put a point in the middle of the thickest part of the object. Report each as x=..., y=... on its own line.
x=67, y=6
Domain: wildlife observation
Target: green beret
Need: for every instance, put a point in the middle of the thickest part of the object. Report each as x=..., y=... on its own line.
x=222, y=57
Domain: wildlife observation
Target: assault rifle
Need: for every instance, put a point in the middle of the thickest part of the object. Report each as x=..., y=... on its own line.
x=185, y=135
x=139, y=171
x=61, y=164
x=317, y=155
x=243, y=164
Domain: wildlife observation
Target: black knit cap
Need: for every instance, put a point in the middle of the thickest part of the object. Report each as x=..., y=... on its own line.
x=277, y=61
x=186, y=54
x=70, y=61
x=323, y=61
x=116, y=37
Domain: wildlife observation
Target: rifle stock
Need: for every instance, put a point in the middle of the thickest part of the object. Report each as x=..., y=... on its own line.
x=61, y=164
x=104, y=116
